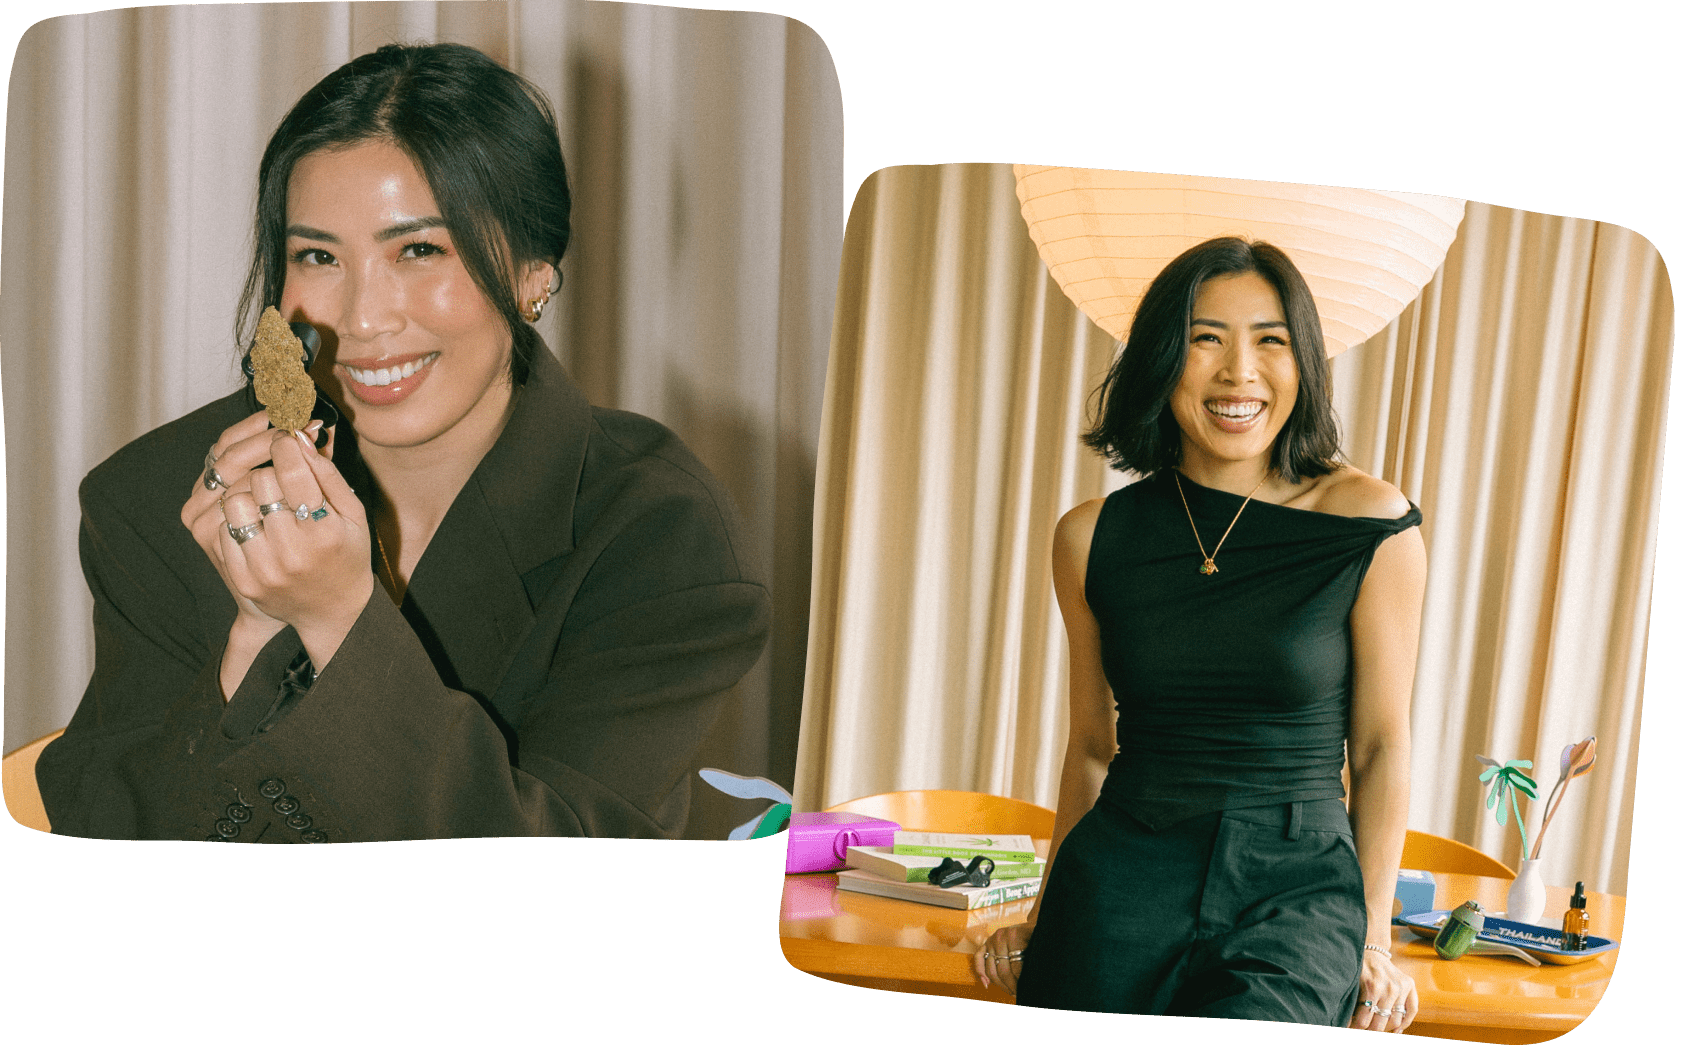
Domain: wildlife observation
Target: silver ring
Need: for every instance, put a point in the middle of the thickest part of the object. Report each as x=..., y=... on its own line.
x=302, y=512
x=213, y=479
x=321, y=512
x=1398, y=1010
x=271, y=508
x=243, y=533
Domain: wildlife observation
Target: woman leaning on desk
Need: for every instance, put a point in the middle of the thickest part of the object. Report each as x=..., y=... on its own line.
x=1252, y=608
x=484, y=607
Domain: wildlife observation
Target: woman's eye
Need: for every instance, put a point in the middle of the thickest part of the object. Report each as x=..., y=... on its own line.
x=1207, y=337
x=421, y=249
x=312, y=256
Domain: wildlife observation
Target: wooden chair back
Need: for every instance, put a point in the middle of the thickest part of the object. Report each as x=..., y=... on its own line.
x=17, y=781
x=955, y=812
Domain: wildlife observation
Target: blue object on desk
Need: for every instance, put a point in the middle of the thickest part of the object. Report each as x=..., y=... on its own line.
x=1414, y=894
x=1545, y=943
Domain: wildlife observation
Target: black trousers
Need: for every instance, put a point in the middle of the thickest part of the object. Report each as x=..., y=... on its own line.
x=1247, y=913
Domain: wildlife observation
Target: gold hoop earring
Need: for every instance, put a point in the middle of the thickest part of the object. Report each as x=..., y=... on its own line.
x=535, y=308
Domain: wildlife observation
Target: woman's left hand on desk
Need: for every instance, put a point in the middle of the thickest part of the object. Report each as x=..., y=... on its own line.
x=1387, y=995
x=1000, y=958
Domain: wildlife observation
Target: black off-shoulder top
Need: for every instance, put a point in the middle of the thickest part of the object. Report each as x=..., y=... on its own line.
x=1233, y=689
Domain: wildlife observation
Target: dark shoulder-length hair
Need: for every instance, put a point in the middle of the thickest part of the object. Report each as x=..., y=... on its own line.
x=1134, y=426
x=483, y=138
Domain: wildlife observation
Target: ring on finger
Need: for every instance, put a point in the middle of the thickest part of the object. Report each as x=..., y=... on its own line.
x=316, y=516
x=272, y=508
x=243, y=533
x=213, y=480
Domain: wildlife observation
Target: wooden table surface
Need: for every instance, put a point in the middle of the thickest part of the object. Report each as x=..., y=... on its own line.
x=902, y=946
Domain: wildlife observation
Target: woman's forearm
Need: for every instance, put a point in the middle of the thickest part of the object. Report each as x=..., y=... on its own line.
x=1091, y=740
x=325, y=631
x=1080, y=786
x=246, y=638
x=1381, y=788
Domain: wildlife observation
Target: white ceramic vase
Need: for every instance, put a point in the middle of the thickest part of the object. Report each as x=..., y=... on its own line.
x=1527, y=898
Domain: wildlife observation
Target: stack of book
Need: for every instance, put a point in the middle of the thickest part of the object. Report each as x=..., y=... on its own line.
x=903, y=870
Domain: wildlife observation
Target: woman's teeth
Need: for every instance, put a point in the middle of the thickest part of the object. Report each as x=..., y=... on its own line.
x=1235, y=412
x=386, y=376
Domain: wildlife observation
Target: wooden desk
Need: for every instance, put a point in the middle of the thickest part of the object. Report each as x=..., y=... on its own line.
x=905, y=947
x=1504, y=1000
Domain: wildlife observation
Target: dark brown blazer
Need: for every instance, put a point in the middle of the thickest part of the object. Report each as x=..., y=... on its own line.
x=555, y=664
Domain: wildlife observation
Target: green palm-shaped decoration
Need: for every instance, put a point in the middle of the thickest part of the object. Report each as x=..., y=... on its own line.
x=1502, y=781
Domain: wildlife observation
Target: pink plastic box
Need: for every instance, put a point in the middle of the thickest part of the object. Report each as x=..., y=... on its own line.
x=819, y=840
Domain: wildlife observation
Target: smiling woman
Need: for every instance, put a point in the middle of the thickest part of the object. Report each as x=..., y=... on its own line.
x=564, y=588
x=1250, y=612
x=1240, y=383
x=417, y=357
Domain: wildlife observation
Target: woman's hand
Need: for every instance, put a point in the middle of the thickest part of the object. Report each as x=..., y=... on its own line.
x=311, y=572
x=239, y=450
x=1391, y=995
x=1000, y=959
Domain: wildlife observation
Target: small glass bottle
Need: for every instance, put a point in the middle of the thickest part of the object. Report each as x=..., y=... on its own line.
x=1576, y=921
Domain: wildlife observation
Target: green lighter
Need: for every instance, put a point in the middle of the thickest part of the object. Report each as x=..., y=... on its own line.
x=1460, y=930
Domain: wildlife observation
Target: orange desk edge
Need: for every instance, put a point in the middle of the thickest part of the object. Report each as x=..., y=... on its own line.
x=895, y=944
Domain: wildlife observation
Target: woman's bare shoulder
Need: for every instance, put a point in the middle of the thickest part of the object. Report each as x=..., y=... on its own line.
x=1071, y=540
x=1351, y=493
x=1078, y=524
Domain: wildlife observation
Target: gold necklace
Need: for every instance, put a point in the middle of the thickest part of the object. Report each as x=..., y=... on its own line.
x=1210, y=566
x=391, y=581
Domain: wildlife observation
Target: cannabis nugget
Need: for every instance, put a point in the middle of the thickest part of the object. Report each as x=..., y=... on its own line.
x=278, y=374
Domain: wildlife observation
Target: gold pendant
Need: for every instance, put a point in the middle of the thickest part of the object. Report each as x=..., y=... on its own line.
x=1208, y=567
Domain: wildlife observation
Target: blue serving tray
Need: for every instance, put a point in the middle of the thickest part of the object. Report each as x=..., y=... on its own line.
x=1542, y=942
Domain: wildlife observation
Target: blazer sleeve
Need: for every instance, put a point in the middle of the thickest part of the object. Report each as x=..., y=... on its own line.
x=649, y=621
x=379, y=748
x=133, y=761
x=594, y=727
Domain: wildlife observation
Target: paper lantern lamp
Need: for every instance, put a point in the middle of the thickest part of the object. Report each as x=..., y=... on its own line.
x=1104, y=235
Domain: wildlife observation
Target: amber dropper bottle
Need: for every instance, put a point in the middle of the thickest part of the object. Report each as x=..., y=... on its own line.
x=1576, y=921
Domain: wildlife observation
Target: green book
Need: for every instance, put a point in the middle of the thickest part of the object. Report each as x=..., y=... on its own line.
x=998, y=847
x=886, y=864
x=962, y=897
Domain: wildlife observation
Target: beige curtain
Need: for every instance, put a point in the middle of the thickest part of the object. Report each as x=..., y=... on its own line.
x=1519, y=401
x=705, y=158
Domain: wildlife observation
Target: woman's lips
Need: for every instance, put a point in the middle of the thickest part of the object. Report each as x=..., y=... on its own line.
x=1235, y=416
x=387, y=383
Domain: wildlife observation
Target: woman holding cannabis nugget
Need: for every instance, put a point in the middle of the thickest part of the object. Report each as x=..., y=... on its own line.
x=475, y=606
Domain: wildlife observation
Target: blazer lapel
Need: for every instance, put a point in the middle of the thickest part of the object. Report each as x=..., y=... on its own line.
x=468, y=600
